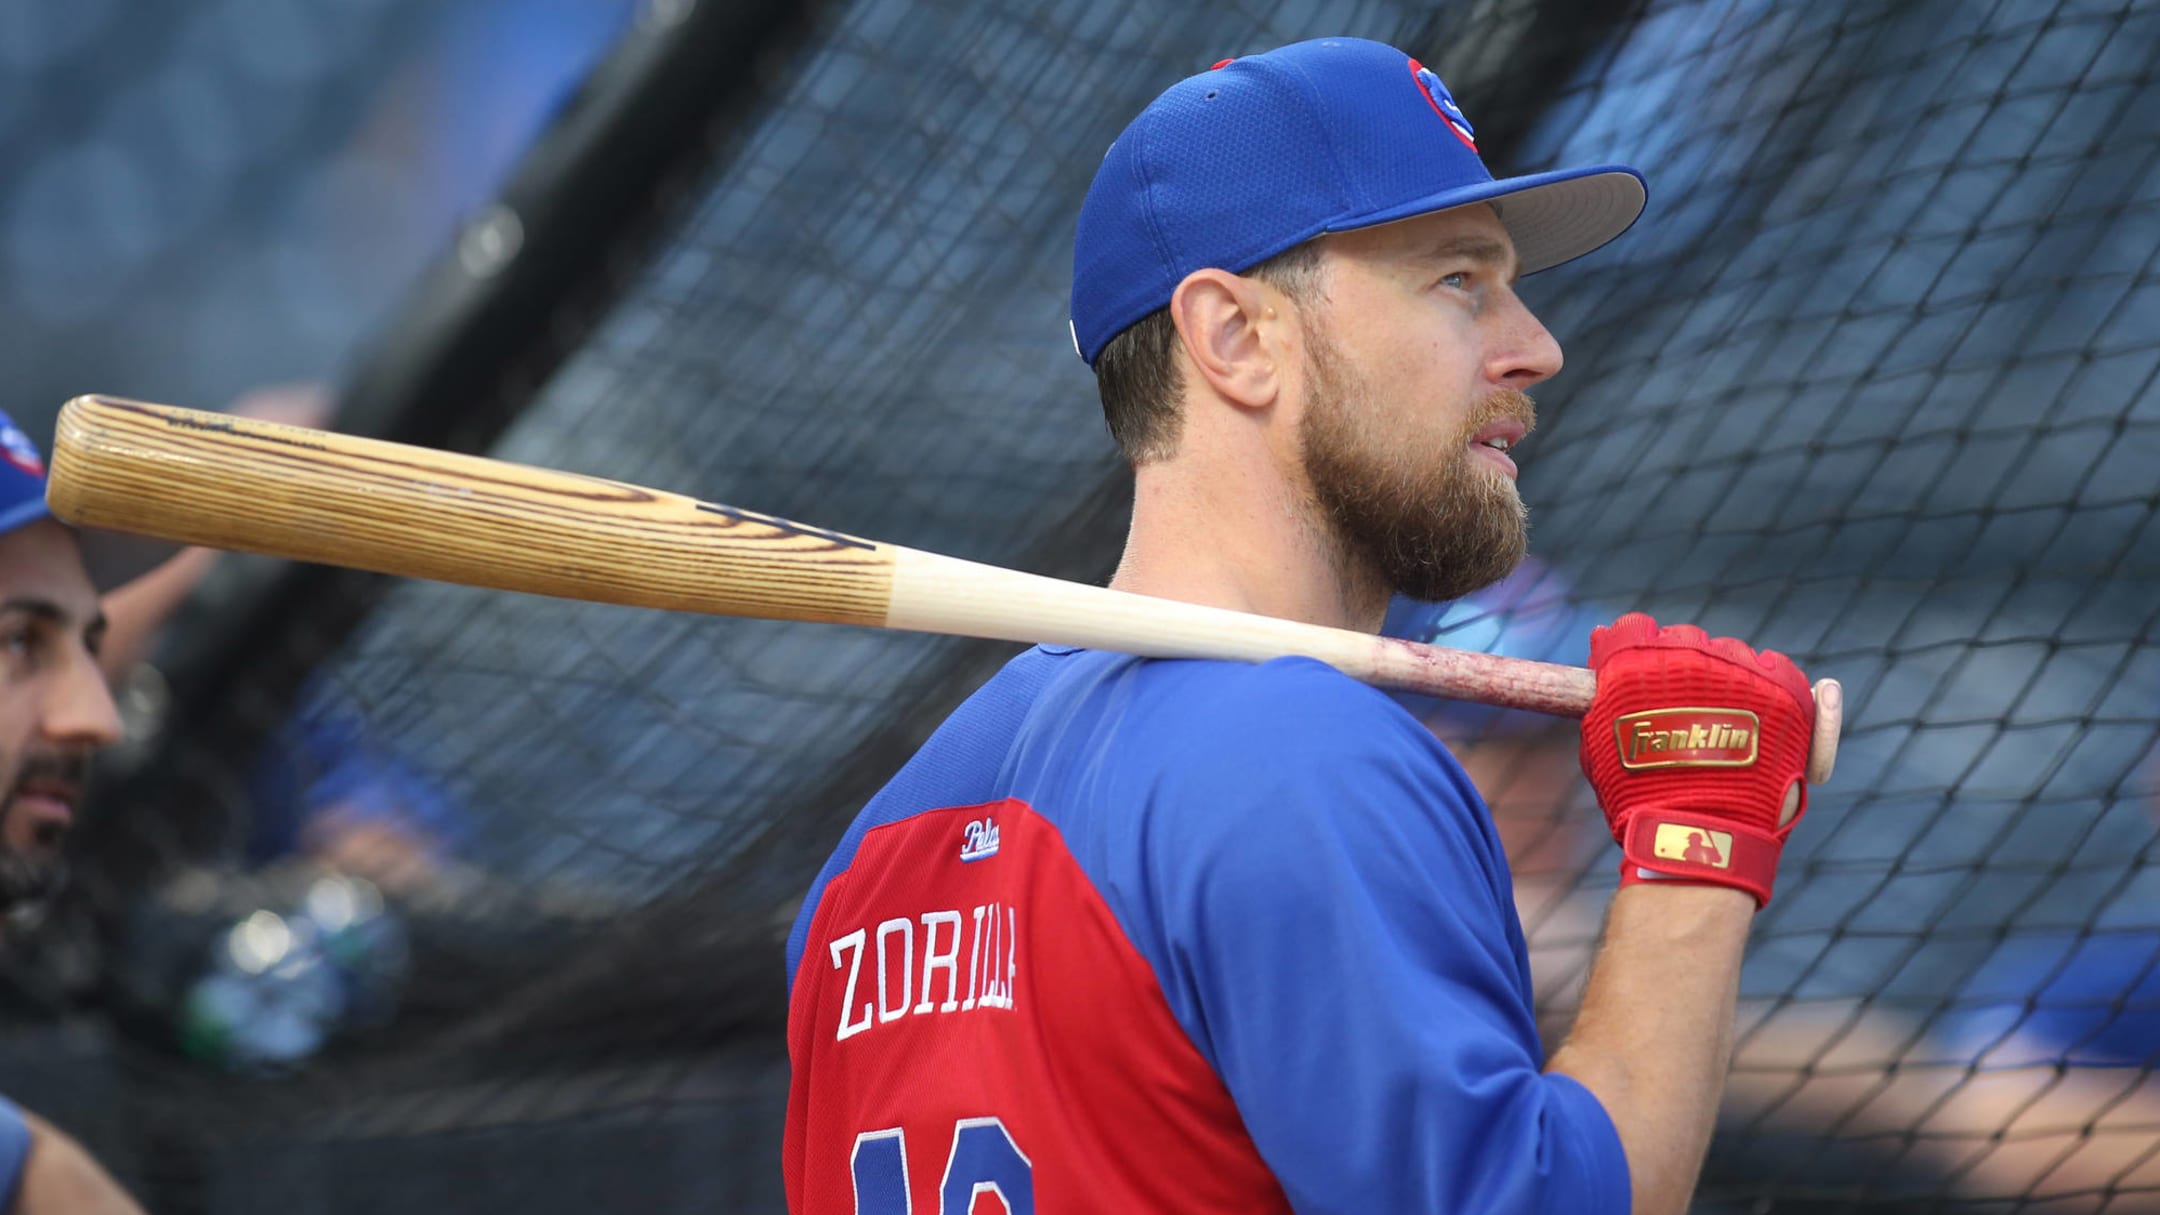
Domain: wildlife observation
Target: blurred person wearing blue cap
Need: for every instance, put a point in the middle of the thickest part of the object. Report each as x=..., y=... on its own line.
x=1146, y=935
x=56, y=711
x=2056, y=1024
x=1523, y=765
x=59, y=709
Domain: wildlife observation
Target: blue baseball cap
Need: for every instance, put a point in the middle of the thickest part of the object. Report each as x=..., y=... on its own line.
x=111, y=557
x=1256, y=155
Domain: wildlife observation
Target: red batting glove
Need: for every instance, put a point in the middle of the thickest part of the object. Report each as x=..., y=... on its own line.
x=1691, y=743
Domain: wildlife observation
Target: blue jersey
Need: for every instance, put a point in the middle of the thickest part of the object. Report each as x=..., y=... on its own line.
x=15, y=1140
x=1230, y=937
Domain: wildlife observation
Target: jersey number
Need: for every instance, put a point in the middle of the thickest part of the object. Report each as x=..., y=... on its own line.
x=983, y=1160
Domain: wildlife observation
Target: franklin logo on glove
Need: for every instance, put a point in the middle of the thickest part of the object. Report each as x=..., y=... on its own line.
x=1687, y=738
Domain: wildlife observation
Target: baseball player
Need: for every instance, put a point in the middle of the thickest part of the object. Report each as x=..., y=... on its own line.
x=1133, y=935
x=55, y=712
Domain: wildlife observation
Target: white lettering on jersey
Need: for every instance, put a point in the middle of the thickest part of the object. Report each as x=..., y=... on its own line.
x=933, y=961
x=854, y=941
x=974, y=960
x=1012, y=953
x=990, y=992
x=906, y=929
x=993, y=965
x=996, y=993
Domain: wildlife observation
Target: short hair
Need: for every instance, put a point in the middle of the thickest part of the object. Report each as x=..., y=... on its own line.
x=1137, y=371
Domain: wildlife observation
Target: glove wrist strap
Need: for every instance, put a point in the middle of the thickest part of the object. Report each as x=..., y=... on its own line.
x=1699, y=848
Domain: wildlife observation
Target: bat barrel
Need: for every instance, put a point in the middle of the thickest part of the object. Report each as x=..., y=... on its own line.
x=309, y=495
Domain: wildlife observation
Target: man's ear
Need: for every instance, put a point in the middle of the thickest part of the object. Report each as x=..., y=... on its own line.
x=1232, y=329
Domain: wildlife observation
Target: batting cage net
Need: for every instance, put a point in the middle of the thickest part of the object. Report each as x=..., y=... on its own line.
x=430, y=898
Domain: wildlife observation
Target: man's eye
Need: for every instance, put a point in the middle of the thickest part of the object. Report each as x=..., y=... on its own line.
x=1460, y=280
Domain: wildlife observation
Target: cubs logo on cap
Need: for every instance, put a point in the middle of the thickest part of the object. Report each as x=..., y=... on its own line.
x=1443, y=103
x=17, y=449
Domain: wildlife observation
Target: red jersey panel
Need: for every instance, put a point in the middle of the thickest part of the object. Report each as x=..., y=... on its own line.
x=1123, y=931
x=970, y=1030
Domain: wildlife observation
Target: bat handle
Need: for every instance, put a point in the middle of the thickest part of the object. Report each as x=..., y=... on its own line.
x=1521, y=683
x=1829, y=725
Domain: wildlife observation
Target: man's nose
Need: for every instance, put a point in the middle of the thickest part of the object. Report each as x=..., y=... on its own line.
x=1526, y=352
x=79, y=709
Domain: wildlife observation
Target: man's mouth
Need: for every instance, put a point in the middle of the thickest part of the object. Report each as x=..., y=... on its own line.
x=50, y=811
x=1495, y=441
x=44, y=800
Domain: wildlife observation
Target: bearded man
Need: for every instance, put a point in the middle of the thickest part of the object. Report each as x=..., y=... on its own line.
x=56, y=711
x=1132, y=935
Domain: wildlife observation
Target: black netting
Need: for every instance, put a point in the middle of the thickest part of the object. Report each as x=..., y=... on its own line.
x=202, y=199
x=1872, y=382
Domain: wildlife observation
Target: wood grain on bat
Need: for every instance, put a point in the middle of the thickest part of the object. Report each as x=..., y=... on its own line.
x=203, y=478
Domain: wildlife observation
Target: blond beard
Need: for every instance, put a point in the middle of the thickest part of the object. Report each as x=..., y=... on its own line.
x=1428, y=524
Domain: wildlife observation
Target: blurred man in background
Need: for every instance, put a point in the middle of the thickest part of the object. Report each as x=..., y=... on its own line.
x=55, y=713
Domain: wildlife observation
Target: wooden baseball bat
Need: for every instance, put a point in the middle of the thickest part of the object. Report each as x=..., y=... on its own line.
x=235, y=483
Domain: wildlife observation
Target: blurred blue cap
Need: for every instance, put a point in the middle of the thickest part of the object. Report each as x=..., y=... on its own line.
x=1532, y=613
x=111, y=557
x=1241, y=162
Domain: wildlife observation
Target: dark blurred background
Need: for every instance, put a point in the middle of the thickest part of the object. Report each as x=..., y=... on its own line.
x=205, y=198
x=411, y=896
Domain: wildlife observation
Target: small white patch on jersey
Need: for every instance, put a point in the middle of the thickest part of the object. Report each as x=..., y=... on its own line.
x=980, y=840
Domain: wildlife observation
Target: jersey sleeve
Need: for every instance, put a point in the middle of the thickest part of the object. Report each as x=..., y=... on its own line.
x=1329, y=911
x=14, y=1151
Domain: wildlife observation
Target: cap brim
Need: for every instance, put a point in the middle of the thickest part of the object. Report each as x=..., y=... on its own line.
x=1558, y=218
x=1552, y=217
